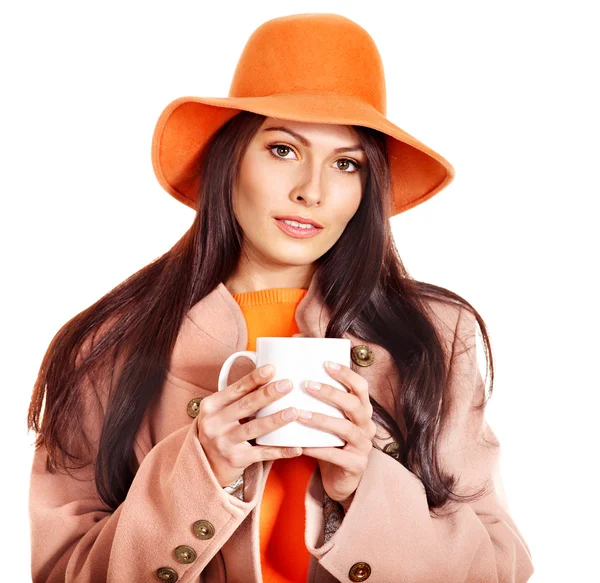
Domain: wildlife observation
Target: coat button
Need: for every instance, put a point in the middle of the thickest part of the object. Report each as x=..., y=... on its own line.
x=362, y=355
x=193, y=407
x=185, y=554
x=360, y=571
x=203, y=529
x=392, y=449
x=166, y=574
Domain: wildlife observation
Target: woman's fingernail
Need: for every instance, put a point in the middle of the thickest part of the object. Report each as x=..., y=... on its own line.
x=283, y=385
x=289, y=414
x=313, y=385
x=266, y=370
x=305, y=414
x=333, y=365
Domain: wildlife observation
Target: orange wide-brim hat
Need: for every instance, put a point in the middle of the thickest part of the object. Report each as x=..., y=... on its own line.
x=320, y=68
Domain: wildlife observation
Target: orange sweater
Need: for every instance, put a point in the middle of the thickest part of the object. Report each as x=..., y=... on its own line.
x=284, y=557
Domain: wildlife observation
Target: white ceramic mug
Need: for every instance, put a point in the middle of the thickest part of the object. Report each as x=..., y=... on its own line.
x=299, y=359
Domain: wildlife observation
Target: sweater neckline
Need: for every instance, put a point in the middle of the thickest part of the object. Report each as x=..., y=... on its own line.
x=273, y=295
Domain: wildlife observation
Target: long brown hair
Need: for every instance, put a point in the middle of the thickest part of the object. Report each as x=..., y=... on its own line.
x=370, y=294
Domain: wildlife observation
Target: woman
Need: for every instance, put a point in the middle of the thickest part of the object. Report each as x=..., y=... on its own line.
x=144, y=471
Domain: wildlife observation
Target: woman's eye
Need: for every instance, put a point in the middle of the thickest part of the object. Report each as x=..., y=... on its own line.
x=280, y=147
x=348, y=161
x=286, y=149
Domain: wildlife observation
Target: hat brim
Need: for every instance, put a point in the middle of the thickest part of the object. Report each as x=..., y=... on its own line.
x=187, y=123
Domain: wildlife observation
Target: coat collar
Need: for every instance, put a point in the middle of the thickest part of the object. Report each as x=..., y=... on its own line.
x=215, y=327
x=312, y=316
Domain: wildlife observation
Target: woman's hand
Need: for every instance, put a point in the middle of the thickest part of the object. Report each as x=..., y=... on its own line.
x=342, y=468
x=225, y=439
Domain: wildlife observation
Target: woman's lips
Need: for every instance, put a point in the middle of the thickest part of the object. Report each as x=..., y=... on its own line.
x=297, y=232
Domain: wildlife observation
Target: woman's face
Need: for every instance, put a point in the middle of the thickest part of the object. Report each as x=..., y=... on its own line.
x=297, y=172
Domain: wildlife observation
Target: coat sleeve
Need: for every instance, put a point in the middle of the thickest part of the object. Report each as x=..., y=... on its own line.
x=174, y=502
x=389, y=526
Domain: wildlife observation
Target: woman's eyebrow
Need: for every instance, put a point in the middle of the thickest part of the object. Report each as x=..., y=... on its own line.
x=306, y=143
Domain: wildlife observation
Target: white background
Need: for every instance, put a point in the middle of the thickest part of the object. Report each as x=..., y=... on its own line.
x=507, y=92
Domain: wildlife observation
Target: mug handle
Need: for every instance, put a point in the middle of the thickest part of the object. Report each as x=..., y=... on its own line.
x=224, y=374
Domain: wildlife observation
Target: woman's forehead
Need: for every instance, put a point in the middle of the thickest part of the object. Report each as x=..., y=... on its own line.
x=306, y=128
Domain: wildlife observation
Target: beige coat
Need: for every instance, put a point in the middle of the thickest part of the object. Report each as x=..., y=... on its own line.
x=175, y=501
